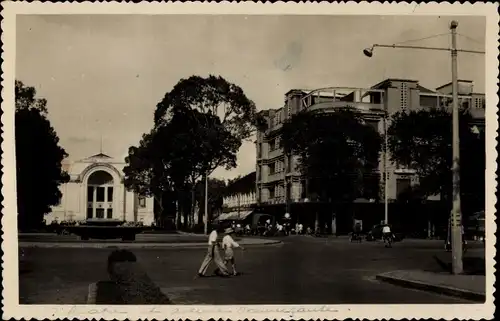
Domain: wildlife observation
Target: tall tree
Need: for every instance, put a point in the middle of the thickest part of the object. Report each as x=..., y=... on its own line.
x=212, y=95
x=336, y=151
x=422, y=140
x=38, y=159
x=220, y=117
x=176, y=154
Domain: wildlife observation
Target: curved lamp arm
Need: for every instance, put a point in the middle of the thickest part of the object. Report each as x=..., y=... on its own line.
x=369, y=51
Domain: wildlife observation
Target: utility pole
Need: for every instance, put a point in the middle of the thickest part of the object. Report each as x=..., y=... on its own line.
x=456, y=219
x=455, y=225
x=386, y=169
x=205, y=214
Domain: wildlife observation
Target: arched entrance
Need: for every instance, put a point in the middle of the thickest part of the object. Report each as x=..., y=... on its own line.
x=100, y=195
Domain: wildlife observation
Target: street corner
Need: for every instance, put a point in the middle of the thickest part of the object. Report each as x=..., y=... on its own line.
x=259, y=242
x=468, y=287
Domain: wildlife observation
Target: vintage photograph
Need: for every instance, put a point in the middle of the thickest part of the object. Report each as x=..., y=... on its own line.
x=251, y=159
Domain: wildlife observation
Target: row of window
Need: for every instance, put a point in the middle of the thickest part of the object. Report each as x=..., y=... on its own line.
x=371, y=188
x=275, y=144
x=100, y=193
x=276, y=119
x=479, y=103
x=276, y=167
x=404, y=96
x=99, y=213
x=278, y=191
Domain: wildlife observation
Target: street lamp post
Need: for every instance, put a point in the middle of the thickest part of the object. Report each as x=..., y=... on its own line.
x=456, y=219
x=386, y=169
x=456, y=226
x=205, y=214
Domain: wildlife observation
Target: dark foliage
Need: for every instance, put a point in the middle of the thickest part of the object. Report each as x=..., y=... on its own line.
x=38, y=159
x=336, y=150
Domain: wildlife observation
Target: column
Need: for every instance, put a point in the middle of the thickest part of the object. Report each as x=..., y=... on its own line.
x=94, y=197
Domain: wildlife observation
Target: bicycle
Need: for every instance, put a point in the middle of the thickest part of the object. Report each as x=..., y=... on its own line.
x=388, y=240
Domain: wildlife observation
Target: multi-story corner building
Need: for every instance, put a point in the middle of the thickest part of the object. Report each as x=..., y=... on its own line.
x=278, y=179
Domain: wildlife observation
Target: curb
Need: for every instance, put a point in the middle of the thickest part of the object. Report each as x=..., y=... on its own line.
x=133, y=245
x=439, y=289
x=92, y=293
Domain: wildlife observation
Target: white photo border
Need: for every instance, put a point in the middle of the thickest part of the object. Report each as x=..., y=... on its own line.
x=10, y=295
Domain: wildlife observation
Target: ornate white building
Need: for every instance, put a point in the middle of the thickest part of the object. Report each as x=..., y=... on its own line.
x=96, y=191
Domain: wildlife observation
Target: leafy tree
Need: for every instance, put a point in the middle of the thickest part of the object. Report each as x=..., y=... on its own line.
x=336, y=150
x=212, y=95
x=199, y=126
x=422, y=140
x=38, y=159
x=26, y=99
x=206, y=120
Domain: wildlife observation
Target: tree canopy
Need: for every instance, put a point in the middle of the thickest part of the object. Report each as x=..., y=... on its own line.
x=212, y=95
x=336, y=151
x=38, y=159
x=422, y=140
x=198, y=126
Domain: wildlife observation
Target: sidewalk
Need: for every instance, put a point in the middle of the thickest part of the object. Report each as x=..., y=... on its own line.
x=143, y=245
x=470, y=287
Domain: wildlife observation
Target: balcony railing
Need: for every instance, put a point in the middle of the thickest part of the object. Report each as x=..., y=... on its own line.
x=275, y=153
x=367, y=107
x=274, y=200
x=344, y=97
x=437, y=100
x=275, y=177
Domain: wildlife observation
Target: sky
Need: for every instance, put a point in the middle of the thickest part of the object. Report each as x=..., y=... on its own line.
x=103, y=75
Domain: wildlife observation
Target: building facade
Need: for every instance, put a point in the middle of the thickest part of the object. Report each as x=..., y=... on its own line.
x=96, y=191
x=240, y=199
x=277, y=179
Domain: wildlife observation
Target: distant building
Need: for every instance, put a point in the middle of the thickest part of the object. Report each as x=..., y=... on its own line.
x=240, y=199
x=96, y=191
x=277, y=177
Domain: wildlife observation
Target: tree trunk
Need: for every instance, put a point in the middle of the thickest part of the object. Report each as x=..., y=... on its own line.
x=177, y=216
x=334, y=224
x=193, y=205
x=316, y=222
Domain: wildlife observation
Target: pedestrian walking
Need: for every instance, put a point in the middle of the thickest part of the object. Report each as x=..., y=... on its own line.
x=213, y=254
x=228, y=243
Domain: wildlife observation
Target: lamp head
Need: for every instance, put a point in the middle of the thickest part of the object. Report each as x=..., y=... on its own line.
x=368, y=52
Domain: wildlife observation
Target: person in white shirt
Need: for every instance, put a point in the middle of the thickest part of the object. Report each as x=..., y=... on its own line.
x=228, y=244
x=386, y=232
x=213, y=254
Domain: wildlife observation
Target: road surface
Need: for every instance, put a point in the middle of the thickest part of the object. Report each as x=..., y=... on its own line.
x=302, y=270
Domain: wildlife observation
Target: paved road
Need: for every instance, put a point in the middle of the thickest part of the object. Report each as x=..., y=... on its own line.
x=140, y=238
x=303, y=270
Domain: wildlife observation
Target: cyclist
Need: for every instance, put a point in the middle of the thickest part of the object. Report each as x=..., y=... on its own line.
x=386, y=233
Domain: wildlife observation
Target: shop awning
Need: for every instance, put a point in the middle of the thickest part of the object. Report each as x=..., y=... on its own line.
x=234, y=216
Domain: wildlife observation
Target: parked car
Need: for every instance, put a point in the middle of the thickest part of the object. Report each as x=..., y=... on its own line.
x=376, y=234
